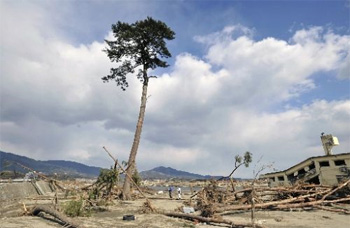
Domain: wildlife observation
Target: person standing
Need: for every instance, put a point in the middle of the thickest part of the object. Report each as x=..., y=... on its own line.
x=178, y=193
x=170, y=189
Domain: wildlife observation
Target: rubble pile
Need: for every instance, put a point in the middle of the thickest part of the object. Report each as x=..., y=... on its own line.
x=212, y=200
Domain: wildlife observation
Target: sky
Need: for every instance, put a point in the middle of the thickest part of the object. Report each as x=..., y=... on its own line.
x=261, y=76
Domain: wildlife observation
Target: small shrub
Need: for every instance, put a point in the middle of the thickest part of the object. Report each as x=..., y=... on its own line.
x=75, y=208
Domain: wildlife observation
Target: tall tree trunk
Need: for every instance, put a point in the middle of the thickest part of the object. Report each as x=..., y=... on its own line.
x=135, y=145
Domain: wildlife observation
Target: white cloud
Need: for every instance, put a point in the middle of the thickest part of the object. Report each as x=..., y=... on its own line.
x=55, y=106
x=227, y=34
x=256, y=65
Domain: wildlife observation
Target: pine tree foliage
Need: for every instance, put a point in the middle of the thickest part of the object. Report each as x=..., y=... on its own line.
x=139, y=45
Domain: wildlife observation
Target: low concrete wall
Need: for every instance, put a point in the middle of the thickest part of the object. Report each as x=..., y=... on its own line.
x=18, y=190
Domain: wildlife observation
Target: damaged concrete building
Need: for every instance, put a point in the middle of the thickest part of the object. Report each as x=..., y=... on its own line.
x=325, y=170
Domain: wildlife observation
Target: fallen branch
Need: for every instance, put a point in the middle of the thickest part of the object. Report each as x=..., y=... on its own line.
x=148, y=202
x=121, y=167
x=88, y=186
x=268, y=204
x=336, y=189
x=277, y=190
x=25, y=209
x=210, y=220
x=313, y=203
x=345, y=211
x=58, y=215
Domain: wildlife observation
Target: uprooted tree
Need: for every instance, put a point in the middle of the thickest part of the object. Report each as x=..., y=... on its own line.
x=137, y=46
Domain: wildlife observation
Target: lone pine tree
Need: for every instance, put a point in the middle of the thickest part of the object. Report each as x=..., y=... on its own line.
x=138, y=46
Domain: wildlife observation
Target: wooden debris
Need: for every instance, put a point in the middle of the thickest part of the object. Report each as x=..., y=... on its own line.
x=25, y=210
x=281, y=198
x=147, y=207
x=210, y=220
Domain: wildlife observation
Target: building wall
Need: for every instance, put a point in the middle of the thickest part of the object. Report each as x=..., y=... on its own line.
x=332, y=169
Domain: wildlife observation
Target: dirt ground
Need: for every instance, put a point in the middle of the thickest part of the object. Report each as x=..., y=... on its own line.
x=15, y=196
x=112, y=217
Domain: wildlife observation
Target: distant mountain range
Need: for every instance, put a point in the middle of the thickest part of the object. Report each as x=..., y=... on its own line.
x=13, y=162
x=162, y=172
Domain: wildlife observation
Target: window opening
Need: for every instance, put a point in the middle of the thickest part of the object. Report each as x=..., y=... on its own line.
x=324, y=163
x=339, y=162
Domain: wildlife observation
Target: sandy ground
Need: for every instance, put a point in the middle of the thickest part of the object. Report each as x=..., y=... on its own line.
x=114, y=214
x=12, y=201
